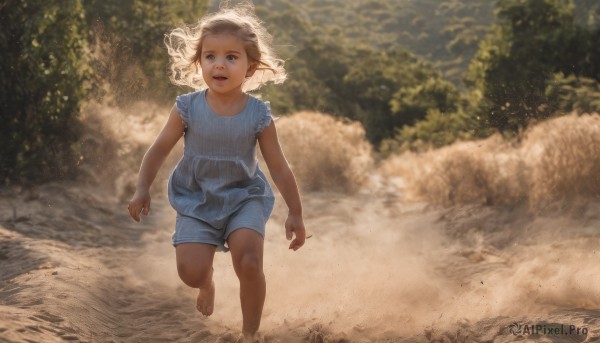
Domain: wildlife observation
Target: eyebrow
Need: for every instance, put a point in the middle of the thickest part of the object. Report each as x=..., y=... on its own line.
x=227, y=52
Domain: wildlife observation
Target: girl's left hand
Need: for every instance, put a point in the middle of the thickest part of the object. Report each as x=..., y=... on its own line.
x=295, y=225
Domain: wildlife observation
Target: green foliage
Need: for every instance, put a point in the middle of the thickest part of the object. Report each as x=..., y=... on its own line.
x=365, y=74
x=287, y=23
x=436, y=130
x=513, y=66
x=361, y=83
x=411, y=104
x=314, y=82
x=375, y=79
x=444, y=32
x=42, y=71
x=129, y=51
x=588, y=12
x=571, y=93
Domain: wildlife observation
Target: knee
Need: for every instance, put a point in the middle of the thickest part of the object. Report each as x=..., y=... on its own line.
x=193, y=275
x=250, y=267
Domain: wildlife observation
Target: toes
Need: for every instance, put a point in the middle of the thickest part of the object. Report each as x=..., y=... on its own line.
x=205, y=301
x=206, y=311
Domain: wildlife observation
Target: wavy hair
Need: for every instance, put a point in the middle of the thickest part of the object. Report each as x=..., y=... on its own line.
x=184, y=45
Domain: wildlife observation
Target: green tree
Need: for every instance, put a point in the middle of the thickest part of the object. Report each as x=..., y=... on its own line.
x=593, y=54
x=315, y=82
x=360, y=83
x=411, y=104
x=129, y=50
x=588, y=12
x=436, y=130
x=445, y=32
x=572, y=93
x=512, y=67
x=41, y=85
x=394, y=88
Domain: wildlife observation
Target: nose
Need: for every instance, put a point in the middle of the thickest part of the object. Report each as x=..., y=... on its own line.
x=220, y=63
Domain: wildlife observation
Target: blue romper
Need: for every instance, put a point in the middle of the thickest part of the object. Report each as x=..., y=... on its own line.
x=217, y=186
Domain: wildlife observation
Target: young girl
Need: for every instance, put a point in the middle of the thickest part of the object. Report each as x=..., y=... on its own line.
x=221, y=196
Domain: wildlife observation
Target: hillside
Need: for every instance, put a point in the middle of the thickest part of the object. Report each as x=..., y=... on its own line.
x=445, y=32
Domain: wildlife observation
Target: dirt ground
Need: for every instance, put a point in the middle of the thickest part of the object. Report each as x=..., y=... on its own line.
x=75, y=267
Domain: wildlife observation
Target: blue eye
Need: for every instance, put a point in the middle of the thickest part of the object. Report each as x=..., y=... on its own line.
x=210, y=57
x=231, y=57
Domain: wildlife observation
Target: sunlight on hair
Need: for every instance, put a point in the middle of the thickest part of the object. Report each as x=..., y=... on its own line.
x=184, y=46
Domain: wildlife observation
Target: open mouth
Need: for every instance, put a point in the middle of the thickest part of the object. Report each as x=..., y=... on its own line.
x=220, y=78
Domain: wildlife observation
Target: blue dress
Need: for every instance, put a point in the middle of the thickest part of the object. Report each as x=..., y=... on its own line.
x=219, y=171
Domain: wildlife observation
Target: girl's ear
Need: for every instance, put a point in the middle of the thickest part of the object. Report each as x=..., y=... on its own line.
x=251, y=69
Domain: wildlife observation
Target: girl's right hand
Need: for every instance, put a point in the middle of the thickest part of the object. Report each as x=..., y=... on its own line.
x=140, y=203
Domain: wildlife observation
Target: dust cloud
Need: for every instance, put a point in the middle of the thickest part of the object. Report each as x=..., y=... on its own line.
x=454, y=245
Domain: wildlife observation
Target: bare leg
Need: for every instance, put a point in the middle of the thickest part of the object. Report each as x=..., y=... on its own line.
x=195, y=268
x=247, y=255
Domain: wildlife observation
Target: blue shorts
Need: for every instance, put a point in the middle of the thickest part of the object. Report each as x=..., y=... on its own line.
x=192, y=230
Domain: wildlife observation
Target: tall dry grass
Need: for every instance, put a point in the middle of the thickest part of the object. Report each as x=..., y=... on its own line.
x=488, y=172
x=564, y=158
x=557, y=160
x=326, y=153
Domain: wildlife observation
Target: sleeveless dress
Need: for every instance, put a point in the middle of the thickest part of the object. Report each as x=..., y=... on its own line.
x=219, y=173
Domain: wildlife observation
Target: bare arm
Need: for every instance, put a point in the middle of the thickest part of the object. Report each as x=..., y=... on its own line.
x=286, y=183
x=152, y=161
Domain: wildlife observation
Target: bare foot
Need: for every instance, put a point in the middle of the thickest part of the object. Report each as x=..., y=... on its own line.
x=206, y=300
x=250, y=338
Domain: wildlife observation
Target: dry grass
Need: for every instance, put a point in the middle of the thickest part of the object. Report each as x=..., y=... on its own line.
x=558, y=160
x=325, y=153
x=487, y=172
x=564, y=158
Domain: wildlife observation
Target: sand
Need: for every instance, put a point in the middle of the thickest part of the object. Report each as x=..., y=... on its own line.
x=74, y=267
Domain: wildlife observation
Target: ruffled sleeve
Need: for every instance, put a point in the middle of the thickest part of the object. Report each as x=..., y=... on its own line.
x=264, y=116
x=182, y=102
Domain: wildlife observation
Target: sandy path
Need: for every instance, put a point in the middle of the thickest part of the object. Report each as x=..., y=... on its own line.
x=75, y=268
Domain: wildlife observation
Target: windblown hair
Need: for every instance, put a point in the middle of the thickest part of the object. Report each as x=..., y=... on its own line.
x=184, y=45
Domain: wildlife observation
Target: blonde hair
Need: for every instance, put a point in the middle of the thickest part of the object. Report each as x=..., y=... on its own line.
x=184, y=45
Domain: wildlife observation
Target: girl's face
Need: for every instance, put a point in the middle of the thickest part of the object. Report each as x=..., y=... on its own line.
x=224, y=63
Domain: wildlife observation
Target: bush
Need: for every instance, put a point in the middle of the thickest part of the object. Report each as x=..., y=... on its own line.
x=562, y=154
x=325, y=153
x=571, y=93
x=557, y=161
x=411, y=104
x=484, y=172
x=41, y=86
x=436, y=130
